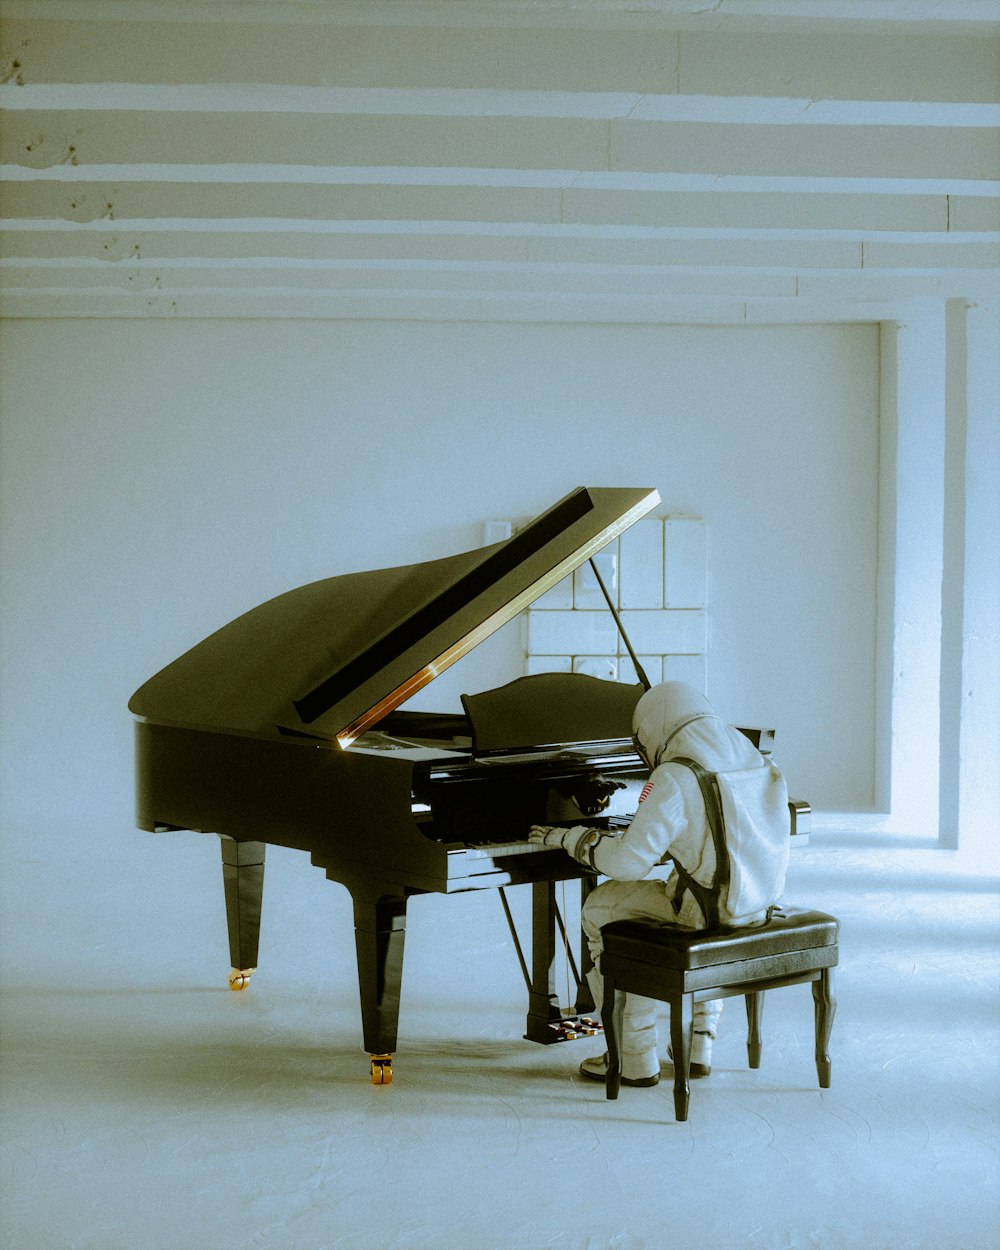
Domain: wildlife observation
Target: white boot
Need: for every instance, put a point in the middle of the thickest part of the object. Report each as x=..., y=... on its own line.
x=701, y=1054
x=596, y=1069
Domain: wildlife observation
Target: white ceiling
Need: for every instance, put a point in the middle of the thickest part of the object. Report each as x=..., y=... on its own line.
x=524, y=158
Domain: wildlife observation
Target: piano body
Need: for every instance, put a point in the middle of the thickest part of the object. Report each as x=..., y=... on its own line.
x=282, y=728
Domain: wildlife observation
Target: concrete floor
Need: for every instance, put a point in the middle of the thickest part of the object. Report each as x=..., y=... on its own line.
x=145, y=1107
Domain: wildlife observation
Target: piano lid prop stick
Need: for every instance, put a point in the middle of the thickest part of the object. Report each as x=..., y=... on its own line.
x=639, y=671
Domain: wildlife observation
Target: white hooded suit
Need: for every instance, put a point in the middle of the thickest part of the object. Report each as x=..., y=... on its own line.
x=673, y=721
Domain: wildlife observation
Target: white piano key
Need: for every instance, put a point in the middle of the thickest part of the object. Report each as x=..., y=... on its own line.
x=499, y=848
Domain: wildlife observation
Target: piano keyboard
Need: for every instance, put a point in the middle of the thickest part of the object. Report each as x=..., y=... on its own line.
x=497, y=850
x=493, y=850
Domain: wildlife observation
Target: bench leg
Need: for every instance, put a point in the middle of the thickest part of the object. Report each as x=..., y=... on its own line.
x=825, y=1004
x=755, y=1012
x=613, y=1017
x=681, y=1022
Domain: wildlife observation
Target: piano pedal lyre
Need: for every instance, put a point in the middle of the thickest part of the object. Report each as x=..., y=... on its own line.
x=239, y=978
x=381, y=1069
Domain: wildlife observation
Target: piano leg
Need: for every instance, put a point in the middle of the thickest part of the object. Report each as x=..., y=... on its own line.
x=543, y=998
x=380, y=931
x=546, y=954
x=584, y=998
x=243, y=878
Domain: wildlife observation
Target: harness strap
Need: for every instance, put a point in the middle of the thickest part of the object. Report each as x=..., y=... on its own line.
x=707, y=897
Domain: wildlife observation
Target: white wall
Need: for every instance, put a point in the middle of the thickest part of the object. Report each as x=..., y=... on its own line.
x=162, y=476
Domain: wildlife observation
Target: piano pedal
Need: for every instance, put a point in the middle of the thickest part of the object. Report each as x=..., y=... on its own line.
x=381, y=1069
x=239, y=978
x=573, y=1027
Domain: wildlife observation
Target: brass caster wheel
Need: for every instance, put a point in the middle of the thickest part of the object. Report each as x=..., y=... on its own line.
x=381, y=1069
x=239, y=978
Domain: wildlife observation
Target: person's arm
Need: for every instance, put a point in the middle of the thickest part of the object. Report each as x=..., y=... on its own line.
x=629, y=856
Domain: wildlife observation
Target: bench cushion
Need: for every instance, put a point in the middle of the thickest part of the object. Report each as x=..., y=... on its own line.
x=669, y=947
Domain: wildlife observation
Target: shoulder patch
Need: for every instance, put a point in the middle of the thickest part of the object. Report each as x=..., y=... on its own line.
x=647, y=789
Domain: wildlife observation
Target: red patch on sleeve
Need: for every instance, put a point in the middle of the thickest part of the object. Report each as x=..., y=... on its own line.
x=646, y=790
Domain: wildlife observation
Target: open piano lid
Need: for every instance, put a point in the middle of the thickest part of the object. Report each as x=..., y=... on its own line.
x=331, y=658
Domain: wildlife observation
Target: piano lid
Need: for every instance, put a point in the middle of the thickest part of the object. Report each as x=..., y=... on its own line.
x=331, y=658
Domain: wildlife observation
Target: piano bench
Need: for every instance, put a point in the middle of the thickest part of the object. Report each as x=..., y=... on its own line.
x=680, y=968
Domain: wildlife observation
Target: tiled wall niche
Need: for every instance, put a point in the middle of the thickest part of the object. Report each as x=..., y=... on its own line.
x=656, y=574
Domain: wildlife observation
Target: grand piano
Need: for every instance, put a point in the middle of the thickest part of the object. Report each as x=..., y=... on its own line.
x=284, y=727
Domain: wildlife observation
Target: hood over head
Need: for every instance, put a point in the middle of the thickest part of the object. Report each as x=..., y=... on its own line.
x=674, y=719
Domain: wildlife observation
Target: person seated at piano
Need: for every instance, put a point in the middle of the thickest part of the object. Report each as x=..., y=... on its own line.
x=662, y=868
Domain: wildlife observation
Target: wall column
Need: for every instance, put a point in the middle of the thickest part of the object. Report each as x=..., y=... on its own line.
x=911, y=563
x=970, y=651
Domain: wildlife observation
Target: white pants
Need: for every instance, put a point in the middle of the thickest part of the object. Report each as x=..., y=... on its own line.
x=636, y=900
